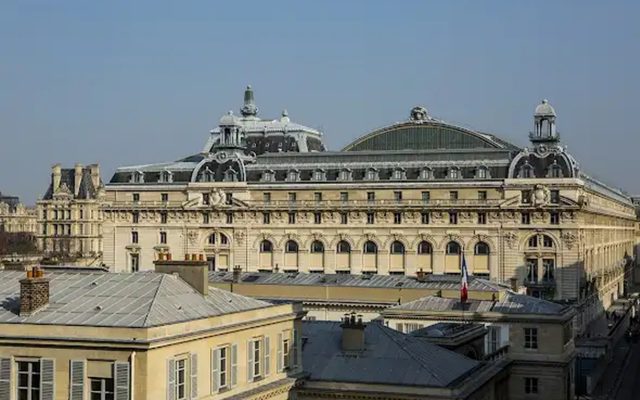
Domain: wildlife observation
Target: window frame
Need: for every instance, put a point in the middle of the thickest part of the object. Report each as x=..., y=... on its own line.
x=531, y=338
x=30, y=373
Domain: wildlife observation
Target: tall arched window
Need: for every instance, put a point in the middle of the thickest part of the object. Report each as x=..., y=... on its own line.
x=453, y=248
x=224, y=239
x=481, y=248
x=370, y=247
x=425, y=251
x=452, y=258
x=343, y=247
x=266, y=247
x=397, y=247
x=317, y=247
x=212, y=238
x=424, y=247
x=480, y=262
x=540, y=264
x=291, y=247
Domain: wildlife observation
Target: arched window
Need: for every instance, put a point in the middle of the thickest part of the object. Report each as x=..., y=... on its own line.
x=397, y=247
x=224, y=239
x=293, y=175
x=426, y=173
x=481, y=248
x=370, y=247
x=212, y=238
x=319, y=175
x=291, y=247
x=454, y=173
x=554, y=171
x=166, y=177
x=526, y=171
x=344, y=175
x=317, y=247
x=453, y=248
x=206, y=175
x=371, y=174
x=547, y=241
x=266, y=247
x=343, y=247
x=533, y=242
x=425, y=247
x=231, y=175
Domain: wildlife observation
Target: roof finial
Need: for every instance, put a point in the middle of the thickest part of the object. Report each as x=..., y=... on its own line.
x=249, y=108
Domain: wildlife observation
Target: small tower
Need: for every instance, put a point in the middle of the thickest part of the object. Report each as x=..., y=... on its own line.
x=544, y=124
x=231, y=134
x=249, y=109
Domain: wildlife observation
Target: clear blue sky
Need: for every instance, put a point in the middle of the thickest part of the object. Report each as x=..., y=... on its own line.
x=128, y=82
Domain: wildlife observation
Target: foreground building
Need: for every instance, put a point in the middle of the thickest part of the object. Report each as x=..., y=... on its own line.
x=265, y=195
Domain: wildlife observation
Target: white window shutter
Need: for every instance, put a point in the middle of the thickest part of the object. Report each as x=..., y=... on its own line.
x=234, y=365
x=267, y=356
x=279, y=355
x=76, y=379
x=47, y=378
x=194, y=375
x=5, y=378
x=215, y=361
x=250, y=361
x=122, y=380
x=171, y=379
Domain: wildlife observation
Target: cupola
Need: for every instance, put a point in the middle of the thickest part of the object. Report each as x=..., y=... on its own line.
x=544, y=123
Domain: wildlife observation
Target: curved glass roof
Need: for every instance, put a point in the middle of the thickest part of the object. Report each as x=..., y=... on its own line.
x=431, y=135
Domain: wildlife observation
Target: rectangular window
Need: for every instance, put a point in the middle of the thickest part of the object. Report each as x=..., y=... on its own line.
x=286, y=350
x=266, y=218
x=164, y=197
x=526, y=196
x=482, y=218
x=135, y=217
x=135, y=262
x=163, y=217
x=344, y=218
x=453, y=195
x=555, y=197
x=228, y=198
x=453, y=218
x=397, y=218
x=554, y=218
x=134, y=237
x=344, y=197
x=526, y=218
x=292, y=197
x=317, y=196
x=493, y=338
x=257, y=358
x=181, y=379
x=266, y=197
x=136, y=197
x=163, y=237
x=28, y=380
x=205, y=218
x=81, y=214
x=530, y=338
x=223, y=367
x=397, y=196
x=424, y=217
x=371, y=196
x=482, y=195
x=426, y=197
x=292, y=218
x=531, y=385
x=371, y=219
x=101, y=388
x=317, y=218
x=229, y=218
x=206, y=200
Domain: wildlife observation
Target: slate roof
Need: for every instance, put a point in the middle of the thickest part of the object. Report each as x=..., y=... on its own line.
x=512, y=303
x=390, y=357
x=438, y=282
x=67, y=177
x=132, y=300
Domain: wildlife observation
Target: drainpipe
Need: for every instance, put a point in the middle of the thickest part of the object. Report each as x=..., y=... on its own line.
x=132, y=372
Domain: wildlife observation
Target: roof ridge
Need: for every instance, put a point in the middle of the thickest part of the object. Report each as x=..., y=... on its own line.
x=153, y=301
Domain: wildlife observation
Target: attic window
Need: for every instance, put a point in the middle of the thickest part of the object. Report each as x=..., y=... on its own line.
x=319, y=175
x=231, y=175
x=206, y=175
x=526, y=171
x=166, y=177
x=399, y=174
x=268, y=176
x=554, y=171
x=344, y=175
x=454, y=173
x=137, y=177
x=426, y=174
x=293, y=175
x=482, y=173
x=371, y=174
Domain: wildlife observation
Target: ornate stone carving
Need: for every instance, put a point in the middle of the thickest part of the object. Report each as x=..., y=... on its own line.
x=512, y=239
x=193, y=237
x=570, y=239
x=540, y=196
x=239, y=237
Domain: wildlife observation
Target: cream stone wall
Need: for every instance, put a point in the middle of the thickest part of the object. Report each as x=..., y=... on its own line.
x=20, y=219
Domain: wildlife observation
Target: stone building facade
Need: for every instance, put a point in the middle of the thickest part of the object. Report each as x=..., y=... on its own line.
x=16, y=218
x=418, y=195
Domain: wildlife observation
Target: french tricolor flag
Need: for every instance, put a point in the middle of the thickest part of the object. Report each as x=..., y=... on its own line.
x=464, y=283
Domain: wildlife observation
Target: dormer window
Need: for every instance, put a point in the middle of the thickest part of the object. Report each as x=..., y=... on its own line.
x=371, y=174
x=268, y=176
x=426, y=174
x=482, y=173
x=526, y=171
x=166, y=177
x=137, y=177
x=293, y=175
x=319, y=175
x=554, y=171
x=206, y=175
x=231, y=175
x=345, y=175
x=399, y=174
x=454, y=173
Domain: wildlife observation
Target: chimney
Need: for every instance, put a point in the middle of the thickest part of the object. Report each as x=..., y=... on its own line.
x=352, y=332
x=421, y=276
x=190, y=270
x=56, y=176
x=77, y=178
x=34, y=292
x=514, y=284
x=237, y=271
x=95, y=175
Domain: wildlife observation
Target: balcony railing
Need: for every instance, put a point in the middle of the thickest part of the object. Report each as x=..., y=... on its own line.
x=371, y=203
x=499, y=354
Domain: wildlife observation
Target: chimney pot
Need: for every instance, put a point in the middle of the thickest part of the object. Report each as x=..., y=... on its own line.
x=353, y=331
x=34, y=293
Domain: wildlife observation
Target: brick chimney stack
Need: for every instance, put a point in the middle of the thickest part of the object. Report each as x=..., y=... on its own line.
x=34, y=292
x=194, y=270
x=353, y=332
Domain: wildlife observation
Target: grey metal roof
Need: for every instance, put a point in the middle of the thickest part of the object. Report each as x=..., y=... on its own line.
x=119, y=300
x=512, y=303
x=438, y=282
x=390, y=357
